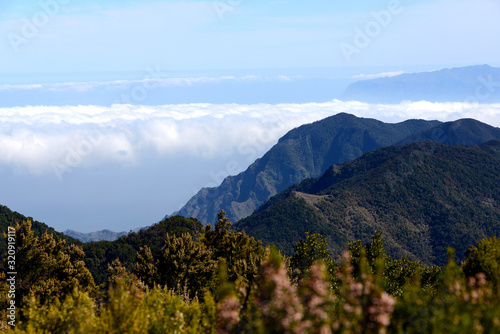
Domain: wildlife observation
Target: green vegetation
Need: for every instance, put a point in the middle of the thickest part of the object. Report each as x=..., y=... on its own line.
x=225, y=282
x=47, y=270
x=313, y=249
x=100, y=254
x=11, y=218
x=485, y=258
x=422, y=197
x=189, y=266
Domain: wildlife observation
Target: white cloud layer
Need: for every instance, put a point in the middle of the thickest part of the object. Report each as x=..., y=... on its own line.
x=155, y=79
x=377, y=76
x=49, y=139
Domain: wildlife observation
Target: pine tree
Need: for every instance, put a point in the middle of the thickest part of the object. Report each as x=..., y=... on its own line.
x=48, y=269
x=314, y=248
x=186, y=265
x=241, y=253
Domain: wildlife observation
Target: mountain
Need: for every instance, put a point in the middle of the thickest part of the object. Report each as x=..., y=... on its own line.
x=304, y=152
x=464, y=131
x=423, y=197
x=479, y=84
x=106, y=235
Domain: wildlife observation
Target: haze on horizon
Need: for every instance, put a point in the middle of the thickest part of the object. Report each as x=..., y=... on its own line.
x=129, y=35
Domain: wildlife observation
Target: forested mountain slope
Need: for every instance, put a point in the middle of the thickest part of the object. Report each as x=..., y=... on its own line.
x=423, y=197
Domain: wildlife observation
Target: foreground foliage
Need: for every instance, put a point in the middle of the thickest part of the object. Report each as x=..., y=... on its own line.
x=227, y=283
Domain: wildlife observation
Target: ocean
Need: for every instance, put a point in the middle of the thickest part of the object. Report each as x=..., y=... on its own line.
x=158, y=86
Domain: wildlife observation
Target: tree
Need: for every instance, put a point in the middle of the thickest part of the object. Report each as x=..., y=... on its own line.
x=48, y=269
x=396, y=273
x=146, y=267
x=186, y=264
x=314, y=248
x=485, y=258
x=374, y=253
x=241, y=252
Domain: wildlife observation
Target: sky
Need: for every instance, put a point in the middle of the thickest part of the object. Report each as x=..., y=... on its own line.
x=114, y=113
x=81, y=36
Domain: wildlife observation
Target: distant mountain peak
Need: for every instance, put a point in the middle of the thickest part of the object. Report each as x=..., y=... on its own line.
x=445, y=85
x=105, y=235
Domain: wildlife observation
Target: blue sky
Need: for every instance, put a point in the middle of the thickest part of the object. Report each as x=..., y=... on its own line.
x=193, y=35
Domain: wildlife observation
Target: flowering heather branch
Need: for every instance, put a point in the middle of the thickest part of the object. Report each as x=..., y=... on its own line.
x=228, y=316
x=363, y=307
x=318, y=301
x=278, y=298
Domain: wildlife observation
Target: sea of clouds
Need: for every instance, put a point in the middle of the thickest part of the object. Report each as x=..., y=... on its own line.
x=41, y=139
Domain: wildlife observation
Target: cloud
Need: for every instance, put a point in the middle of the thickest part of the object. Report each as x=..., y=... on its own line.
x=158, y=78
x=376, y=76
x=43, y=139
x=20, y=87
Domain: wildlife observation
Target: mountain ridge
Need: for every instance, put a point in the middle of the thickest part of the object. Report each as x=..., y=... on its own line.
x=303, y=152
x=475, y=84
x=423, y=197
x=105, y=235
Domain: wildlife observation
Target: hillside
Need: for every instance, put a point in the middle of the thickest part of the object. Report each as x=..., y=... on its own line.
x=473, y=84
x=423, y=197
x=304, y=152
x=100, y=254
x=11, y=218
